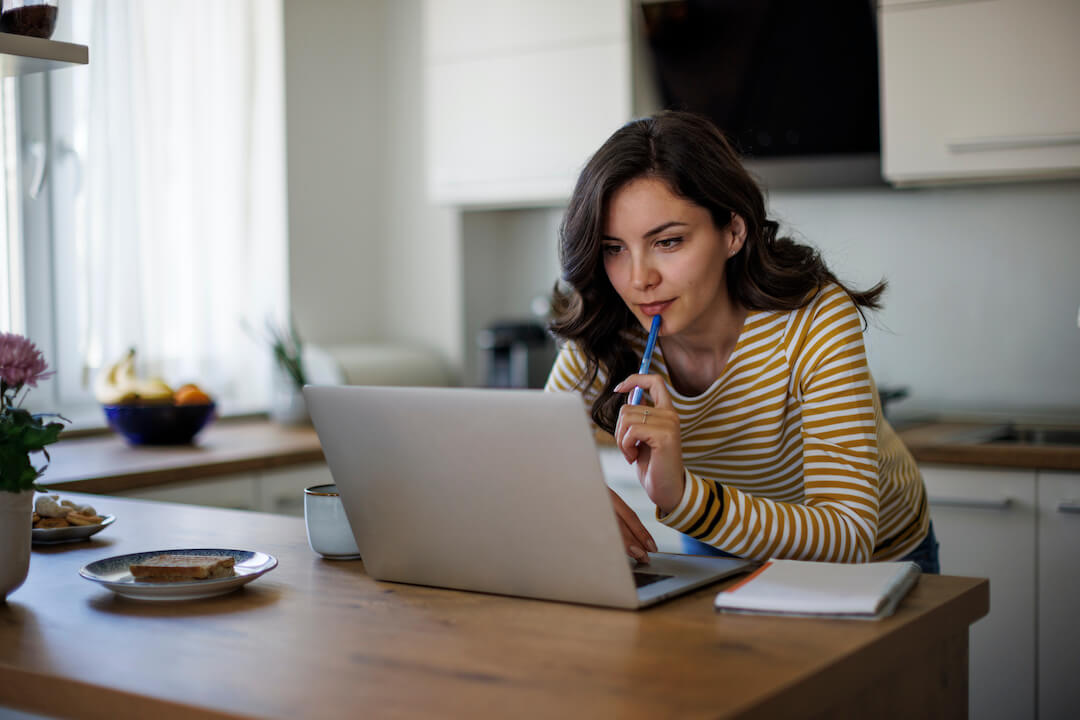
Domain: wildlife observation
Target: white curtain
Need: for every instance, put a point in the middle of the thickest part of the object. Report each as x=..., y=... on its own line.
x=180, y=231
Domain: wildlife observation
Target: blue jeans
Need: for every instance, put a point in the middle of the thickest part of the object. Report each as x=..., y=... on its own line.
x=925, y=556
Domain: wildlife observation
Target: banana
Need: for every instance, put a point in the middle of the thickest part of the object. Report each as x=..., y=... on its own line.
x=118, y=384
x=153, y=390
x=107, y=384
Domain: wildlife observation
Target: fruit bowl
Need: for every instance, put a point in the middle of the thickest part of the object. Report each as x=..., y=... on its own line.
x=159, y=424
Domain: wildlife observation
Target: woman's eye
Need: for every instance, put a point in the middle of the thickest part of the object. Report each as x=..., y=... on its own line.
x=669, y=242
x=612, y=249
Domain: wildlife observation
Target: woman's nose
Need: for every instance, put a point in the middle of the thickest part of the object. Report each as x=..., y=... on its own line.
x=642, y=274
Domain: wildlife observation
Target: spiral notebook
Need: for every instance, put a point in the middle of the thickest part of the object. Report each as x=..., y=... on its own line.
x=867, y=591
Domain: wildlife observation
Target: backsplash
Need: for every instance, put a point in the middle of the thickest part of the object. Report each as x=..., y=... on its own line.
x=984, y=285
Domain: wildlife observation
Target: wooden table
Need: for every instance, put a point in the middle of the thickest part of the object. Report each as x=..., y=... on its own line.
x=315, y=638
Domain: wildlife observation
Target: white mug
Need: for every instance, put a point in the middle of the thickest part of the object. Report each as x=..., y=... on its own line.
x=328, y=529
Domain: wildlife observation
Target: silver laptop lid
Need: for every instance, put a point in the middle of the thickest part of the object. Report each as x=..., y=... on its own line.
x=493, y=490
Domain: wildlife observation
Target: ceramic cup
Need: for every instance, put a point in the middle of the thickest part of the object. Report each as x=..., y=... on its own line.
x=328, y=530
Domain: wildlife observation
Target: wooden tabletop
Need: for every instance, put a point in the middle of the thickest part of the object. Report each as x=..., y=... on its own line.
x=316, y=638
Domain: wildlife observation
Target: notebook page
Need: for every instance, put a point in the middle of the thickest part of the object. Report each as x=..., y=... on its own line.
x=816, y=588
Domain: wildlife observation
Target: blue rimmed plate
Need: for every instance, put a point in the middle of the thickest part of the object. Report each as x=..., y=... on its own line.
x=113, y=573
x=74, y=533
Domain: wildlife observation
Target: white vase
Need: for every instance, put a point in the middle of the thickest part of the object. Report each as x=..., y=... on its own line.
x=288, y=406
x=15, y=526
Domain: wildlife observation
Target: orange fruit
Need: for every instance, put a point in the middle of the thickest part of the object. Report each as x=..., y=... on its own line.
x=191, y=395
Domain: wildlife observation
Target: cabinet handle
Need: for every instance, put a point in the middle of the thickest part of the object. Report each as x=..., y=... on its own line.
x=1069, y=506
x=886, y=5
x=1013, y=142
x=973, y=503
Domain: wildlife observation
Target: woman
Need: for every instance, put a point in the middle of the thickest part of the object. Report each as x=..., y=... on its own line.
x=764, y=436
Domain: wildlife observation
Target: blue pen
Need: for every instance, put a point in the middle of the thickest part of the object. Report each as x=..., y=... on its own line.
x=635, y=397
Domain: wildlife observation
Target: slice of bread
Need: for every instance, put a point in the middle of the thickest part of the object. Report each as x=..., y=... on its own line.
x=177, y=568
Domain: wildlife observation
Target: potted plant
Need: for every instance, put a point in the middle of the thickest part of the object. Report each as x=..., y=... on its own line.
x=22, y=435
x=288, y=407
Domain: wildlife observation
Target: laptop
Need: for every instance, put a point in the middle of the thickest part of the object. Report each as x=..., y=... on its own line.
x=496, y=491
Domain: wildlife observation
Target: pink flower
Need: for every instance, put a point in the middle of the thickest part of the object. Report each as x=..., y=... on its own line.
x=21, y=363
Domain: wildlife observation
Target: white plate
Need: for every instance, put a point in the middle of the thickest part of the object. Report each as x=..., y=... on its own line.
x=74, y=533
x=113, y=573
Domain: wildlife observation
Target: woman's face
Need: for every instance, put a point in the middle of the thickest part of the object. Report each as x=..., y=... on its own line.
x=664, y=256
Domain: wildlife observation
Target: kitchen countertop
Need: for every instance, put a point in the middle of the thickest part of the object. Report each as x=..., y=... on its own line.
x=107, y=463
x=958, y=443
x=318, y=638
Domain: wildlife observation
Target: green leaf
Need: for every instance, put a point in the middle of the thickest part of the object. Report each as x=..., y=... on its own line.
x=16, y=472
x=36, y=438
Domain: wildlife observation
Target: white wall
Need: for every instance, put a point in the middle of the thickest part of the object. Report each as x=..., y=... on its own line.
x=336, y=126
x=984, y=285
x=423, y=260
x=981, y=313
x=369, y=259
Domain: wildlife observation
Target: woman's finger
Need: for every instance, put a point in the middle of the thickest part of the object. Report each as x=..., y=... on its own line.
x=633, y=548
x=652, y=384
x=622, y=425
x=633, y=523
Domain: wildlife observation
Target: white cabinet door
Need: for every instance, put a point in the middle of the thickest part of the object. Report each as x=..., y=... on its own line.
x=459, y=29
x=518, y=95
x=282, y=491
x=237, y=492
x=1059, y=594
x=976, y=90
x=984, y=519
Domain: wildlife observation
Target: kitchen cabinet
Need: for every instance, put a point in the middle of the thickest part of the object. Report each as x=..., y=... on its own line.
x=979, y=90
x=237, y=492
x=279, y=491
x=1059, y=594
x=519, y=94
x=984, y=519
x=282, y=491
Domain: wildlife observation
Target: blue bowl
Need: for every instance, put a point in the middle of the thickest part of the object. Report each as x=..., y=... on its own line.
x=158, y=424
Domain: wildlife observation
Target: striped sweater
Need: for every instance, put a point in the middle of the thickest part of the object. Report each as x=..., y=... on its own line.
x=787, y=453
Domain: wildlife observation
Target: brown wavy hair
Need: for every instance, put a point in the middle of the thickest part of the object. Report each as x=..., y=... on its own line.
x=696, y=161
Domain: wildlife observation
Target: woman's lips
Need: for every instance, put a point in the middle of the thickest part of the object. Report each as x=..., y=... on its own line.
x=655, y=308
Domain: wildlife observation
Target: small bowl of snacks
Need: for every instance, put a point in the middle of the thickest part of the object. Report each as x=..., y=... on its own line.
x=147, y=411
x=60, y=521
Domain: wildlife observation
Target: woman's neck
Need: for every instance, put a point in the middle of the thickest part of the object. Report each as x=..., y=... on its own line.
x=695, y=358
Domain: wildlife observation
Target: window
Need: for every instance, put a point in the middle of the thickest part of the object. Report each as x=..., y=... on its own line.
x=12, y=316
x=160, y=223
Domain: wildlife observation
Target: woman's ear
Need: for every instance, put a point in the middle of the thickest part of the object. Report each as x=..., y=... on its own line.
x=737, y=227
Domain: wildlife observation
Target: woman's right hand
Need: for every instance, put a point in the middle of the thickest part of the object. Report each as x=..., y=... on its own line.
x=636, y=539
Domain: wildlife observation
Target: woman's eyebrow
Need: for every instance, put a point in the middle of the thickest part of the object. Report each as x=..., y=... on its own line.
x=661, y=228
x=655, y=231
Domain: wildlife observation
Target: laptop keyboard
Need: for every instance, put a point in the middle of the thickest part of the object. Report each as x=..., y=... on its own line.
x=641, y=579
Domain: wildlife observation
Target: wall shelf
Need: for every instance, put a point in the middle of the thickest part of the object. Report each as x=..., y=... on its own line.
x=23, y=55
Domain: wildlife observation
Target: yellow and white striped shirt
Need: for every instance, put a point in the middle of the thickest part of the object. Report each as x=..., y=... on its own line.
x=787, y=454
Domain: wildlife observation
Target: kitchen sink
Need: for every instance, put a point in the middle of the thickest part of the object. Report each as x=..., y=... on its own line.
x=1022, y=435
x=1035, y=436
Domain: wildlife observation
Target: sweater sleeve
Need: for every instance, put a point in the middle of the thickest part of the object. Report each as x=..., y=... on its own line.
x=838, y=517
x=568, y=371
x=569, y=374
